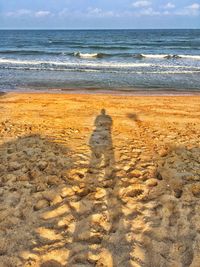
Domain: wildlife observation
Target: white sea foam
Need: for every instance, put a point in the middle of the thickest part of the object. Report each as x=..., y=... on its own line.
x=168, y=56
x=74, y=64
x=153, y=56
x=191, y=56
x=167, y=72
x=86, y=55
x=16, y=61
x=108, y=71
x=163, y=66
x=97, y=66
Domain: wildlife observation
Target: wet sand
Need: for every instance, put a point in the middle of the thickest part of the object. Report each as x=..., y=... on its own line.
x=99, y=180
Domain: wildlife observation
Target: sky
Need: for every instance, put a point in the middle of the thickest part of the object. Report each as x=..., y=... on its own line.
x=99, y=14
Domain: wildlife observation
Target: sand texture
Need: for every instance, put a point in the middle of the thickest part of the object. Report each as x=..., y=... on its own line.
x=99, y=181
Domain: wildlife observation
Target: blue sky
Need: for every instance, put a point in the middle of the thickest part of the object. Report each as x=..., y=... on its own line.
x=82, y=14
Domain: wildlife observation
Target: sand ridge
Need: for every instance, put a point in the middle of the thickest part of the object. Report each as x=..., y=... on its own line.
x=99, y=180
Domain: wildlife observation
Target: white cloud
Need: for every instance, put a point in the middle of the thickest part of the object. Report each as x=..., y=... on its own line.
x=98, y=12
x=28, y=13
x=90, y=12
x=19, y=13
x=191, y=10
x=95, y=10
x=169, y=6
x=194, y=6
x=143, y=8
x=148, y=12
x=64, y=12
x=166, y=13
x=42, y=13
x=141, y=3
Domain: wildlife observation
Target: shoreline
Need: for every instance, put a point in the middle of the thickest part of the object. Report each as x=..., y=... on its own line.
x=120, y=92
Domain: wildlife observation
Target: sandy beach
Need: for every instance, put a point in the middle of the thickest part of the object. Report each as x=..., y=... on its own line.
x=99, y=180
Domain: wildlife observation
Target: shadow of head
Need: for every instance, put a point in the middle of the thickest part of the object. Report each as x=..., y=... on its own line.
x=103, y=120
x=51, y=263
x=103, y=111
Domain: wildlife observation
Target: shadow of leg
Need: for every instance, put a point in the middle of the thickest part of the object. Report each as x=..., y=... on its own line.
x=51, y=263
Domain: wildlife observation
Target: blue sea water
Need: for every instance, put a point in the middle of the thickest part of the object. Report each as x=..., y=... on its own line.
x=100, y=59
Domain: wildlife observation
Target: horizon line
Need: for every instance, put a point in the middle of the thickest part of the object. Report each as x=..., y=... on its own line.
x=93, y=29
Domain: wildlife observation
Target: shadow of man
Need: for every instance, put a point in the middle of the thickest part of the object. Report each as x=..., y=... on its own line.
x=99, y=237
x=94, y=224
x=51, y=263
x=101, y=145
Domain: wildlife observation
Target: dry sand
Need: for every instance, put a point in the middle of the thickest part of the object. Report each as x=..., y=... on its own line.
x=80, y=187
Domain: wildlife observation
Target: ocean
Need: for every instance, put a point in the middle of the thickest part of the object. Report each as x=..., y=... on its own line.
x=100, y=59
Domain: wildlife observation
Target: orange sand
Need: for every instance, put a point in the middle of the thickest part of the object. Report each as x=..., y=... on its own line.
x=82, y=188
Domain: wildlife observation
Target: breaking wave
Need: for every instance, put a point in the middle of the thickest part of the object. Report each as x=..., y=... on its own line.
x=89, y=55
x=96, y=55
x=74, y=64
x=168, y=56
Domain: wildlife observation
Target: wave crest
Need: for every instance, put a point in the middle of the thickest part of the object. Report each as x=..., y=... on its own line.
x=168, y=56
x=89, y=55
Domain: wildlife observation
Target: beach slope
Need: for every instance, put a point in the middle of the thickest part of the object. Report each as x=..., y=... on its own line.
x=99, y=180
